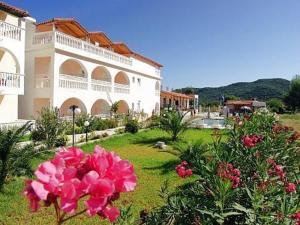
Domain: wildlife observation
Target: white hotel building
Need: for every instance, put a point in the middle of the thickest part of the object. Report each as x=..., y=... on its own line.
x=58, y=63
x=67, y=65
x=12, y=58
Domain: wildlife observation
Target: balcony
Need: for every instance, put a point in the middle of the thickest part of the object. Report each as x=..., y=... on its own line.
x=42, y=82
x=10, y=31
x=122, y=88
x=11, y=83
x=73, y=82
x=57, y=38
x=99, y=85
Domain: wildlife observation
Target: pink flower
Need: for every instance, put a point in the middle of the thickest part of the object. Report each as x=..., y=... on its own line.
x=182, y=171
x=296, y=217
x=250, y=141
x=72, y=175
x=111, y=213
x=31, y=196
x=290, y=187
x=227, y=172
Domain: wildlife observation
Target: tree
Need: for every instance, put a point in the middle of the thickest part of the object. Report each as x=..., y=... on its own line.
x=114, y=107
x=172, y=122
x=276, y=105
x=292, y=99
x=8, y=141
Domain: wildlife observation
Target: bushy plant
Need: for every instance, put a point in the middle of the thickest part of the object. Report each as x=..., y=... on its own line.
x=8, y=141
x=19, y=163
x=252, y=178
x=49, y=125
x=61, y=141
x=173, y=123
x=132, y=126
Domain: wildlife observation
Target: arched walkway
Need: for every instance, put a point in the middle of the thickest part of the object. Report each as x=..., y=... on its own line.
x=100, y=108
x=64, y=108
x=123, y=107
x=73, y=68
x=8, y=62
x=122, y=78
x=101, y=73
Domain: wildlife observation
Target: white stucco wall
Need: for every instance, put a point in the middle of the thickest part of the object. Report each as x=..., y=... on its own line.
x=12, y=60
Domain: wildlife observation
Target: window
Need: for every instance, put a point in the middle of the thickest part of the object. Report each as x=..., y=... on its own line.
x=133, y=79
x=139, y=81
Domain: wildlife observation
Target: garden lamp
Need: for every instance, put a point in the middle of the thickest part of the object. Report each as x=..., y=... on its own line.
x=74, y=110
x=86, y=124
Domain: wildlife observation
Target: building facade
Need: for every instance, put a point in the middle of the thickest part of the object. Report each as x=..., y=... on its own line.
x=169, y=99
x=67, y=65
x=12, y=59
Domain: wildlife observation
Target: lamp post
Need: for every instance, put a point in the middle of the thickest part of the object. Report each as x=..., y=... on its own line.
x=86, y=124
x=74, y=110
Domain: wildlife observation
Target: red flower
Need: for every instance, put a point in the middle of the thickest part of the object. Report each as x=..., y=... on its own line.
x=228, y=172
x=296, y=217
x=290, y=187
x=250, y=141
x=182, y=171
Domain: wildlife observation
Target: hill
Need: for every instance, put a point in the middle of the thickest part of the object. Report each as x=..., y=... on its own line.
x=262, y=89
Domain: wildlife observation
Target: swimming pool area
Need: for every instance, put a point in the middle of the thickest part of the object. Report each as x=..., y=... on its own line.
x=208, y=123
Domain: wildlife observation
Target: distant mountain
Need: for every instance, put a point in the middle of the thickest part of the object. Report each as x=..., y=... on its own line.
x=262, y=89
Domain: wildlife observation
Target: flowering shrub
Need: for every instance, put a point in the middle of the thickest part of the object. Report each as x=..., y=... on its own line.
x=251, y=178
x=72, y=175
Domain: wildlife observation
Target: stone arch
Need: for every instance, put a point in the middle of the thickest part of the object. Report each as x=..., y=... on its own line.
x=122, y=78
x=101, y=73
x=73, y=67
x=65, y=106
x=100, y=108
x=8, y=61
x=123, y=107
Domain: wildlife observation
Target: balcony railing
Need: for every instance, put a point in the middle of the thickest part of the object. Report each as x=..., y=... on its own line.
x=122, y=88
x=10, y=31
x=73, y=82
x=67, y=40
x=42, y=82
x=102, y=86
x=10, y=80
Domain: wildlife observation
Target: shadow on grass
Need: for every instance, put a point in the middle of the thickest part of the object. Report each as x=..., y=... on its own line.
x=151, y=141
x=166, y=167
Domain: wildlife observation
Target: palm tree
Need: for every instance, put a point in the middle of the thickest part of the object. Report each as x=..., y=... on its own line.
x=8, y=141
x=173, y=123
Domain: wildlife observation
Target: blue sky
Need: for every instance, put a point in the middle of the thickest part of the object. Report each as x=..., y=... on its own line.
x=200, y=42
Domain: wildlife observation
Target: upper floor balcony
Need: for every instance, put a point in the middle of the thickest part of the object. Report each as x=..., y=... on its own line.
x=11, y=83
x=10, y=31
x=59, y=40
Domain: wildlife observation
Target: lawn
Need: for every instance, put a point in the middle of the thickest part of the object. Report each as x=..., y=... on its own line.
x=292, y=120
x=151, y=165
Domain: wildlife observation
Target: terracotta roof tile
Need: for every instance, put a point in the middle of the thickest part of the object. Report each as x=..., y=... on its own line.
x=13, y=10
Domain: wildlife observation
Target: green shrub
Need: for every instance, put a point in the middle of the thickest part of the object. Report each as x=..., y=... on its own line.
x=251, y=178
x=20, y=161
x=132, y=126
x=61, y=141
x=37, y=136
x=49, y=125
x=8, y=141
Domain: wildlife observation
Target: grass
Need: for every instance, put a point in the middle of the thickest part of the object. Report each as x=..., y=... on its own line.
x=151, y=165
x=292, y=120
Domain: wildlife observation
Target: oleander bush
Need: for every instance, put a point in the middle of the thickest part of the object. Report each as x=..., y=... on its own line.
x=251, y=178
